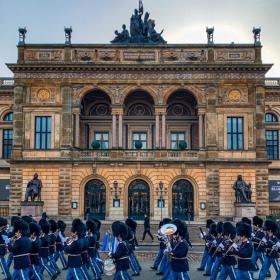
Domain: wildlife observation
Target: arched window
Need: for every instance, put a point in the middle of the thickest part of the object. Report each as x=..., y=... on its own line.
x=9, y=117
x=270, y=117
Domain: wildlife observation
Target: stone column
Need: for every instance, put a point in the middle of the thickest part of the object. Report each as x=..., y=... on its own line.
x=114, y=129
x=201, y=116
x=163, y=130
x=157, y=130
x=77, y=130
x=120, y=130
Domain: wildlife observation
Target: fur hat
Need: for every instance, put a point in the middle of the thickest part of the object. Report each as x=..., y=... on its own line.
x=209, y=222
x=97, y=222
x=91, y=226
x=228, y=229
x=61, y=225
x=53, y=225
x=257, y=221
x=220, y=227
x=246, y=220
x=131, y=223
x=13, y=219
x=22, y=227
x=120, y=229
x=3, y=222
x=77, y=226
x=27, y=219
x=34, y=228
x=166, y=221
x=270, y=226
x=45, y=226
x=213, y=229
x=182, y=229
x=244, y=229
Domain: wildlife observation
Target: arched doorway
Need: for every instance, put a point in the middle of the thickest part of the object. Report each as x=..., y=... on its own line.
x=138, y=199
x=183, y=200
x=95, y=199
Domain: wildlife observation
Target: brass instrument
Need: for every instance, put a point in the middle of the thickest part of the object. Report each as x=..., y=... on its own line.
x=109, y=267
x=167, y=231
x=71, y=239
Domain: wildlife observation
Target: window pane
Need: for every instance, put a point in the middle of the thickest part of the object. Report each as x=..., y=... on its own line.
x=235, y=133
x=43, y=127
x=97, y=136
x=49, y=120
x=181, y=136
x=7, y=143
x=38, y=124
x=173, y=136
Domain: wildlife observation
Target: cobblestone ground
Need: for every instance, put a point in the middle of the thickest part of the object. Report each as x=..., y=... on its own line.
x=148, y=274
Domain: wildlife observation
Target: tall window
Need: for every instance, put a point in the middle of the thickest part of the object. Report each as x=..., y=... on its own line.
x=139, y=136
x=7, y=143
x=269, y=117
x=176, y=138
x=235, y=133
x=9, y=117
x=272, y=144
x=43, y=131
x=103, y=138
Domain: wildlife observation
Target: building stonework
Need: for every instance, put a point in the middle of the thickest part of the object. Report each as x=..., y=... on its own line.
x=65, y=97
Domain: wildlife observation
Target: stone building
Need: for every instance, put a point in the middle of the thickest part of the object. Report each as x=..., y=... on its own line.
x=121, y=130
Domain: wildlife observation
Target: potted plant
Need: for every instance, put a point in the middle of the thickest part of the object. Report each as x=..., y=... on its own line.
x=95, y=145
x=138, y=145
x=183, y=145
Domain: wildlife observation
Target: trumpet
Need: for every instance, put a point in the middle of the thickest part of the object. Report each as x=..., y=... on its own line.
x=70, y=239
x=167, y=231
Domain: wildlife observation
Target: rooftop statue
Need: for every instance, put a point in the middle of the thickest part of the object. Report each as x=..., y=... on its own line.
x=141, y=31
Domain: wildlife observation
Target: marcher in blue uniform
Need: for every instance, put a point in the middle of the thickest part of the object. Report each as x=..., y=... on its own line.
x=92, y=249
x=98, y=259
x=4, y=241
x=60, y=243
x=21, y=249
x=35, y=232
x=271, y=253
x=44, y=249
x=52, y=246
x=74, y=250
x=121, y=255
x=244, y=252
x=226, y=247
x=206, y=252
x=179, y=252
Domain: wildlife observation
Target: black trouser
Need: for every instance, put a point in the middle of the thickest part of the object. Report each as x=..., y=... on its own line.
x=135, y=239
x=147, y=230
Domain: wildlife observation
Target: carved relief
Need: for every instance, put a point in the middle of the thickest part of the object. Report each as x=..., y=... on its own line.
x=234, y=95
x=238, y=55
x=272, y=97
x=42, y=55
x=84, y=55
x=172, y=55
x=43, y=95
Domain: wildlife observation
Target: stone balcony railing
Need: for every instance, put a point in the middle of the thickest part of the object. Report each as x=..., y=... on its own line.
x=272, y=82
x=6, y=82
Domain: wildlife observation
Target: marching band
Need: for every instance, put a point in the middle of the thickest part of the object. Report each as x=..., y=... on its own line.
x=231, y=251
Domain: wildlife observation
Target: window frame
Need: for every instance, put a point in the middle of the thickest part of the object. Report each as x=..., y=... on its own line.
x=45, y=136
x=7, y=115
x=274, y=118
x=275, y=146
x=233, y=136
x=7, y=145
x=177, y=141
x=102, y=140
x=140, y=133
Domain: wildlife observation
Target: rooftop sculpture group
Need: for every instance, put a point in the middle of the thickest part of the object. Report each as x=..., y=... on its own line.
x=141, y=31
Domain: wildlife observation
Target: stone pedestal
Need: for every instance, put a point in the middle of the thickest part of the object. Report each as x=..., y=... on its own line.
x=245, y=210
x=33, y=208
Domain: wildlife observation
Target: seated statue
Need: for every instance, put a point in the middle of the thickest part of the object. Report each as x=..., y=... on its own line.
x=121, y=37
x=33, y=189
x=154, y=36
x=243, y=192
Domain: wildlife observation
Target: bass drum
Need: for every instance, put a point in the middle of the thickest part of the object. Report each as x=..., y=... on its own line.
x=109, y=267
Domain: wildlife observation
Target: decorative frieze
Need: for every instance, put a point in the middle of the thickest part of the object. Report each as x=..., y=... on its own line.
x=43, y=55
x=41, y=95
x=233, y=95
x=234, y=55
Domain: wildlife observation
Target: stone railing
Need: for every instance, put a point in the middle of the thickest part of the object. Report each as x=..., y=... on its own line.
x=6, y=82
x=274, y=210
x=272, y=82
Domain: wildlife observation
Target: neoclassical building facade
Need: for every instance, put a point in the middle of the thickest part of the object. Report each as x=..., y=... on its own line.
x=123, y=130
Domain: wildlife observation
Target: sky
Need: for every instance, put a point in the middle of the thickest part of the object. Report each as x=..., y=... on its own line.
x=184, y=21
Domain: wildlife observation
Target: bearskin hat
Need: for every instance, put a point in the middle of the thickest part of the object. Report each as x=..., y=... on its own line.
x=166, y=221
x=45, y=226
x=34, y=228
x=97, y=222
x=228, y=229
x=244, y=229
x=3, y=222
x=61, y=225
x=182, y=228
x=257, y=221
x=131, y=223
x=22, y=227
x=270, y=226
x=91, y=226
x=27, y=219
x=78, y=226
x=53, y=225
x=120, y=229
x=220, y=227
x=209, y=222
x=213, y=229
x=13, y=219
x=246, y=220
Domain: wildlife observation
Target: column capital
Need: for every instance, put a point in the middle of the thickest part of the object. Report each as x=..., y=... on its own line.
x=76, y=110
x=201, y=111
x=117, y=110
x=160, y=110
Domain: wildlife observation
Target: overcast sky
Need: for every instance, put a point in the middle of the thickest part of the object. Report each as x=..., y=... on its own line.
x=184, y=21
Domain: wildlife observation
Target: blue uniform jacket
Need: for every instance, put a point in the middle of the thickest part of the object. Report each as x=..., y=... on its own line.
x=59, y=243
x=74, y=252
x=85, y=245
x=271, y=241
x=44, y=249
x=3, y=247
x=52, y=243
x=92, y=242
x=121, y=256
x=245, y=256
x=34, y=251
x=258, y=245
x=228, y=254
x=179, y=261
x=21, y=249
